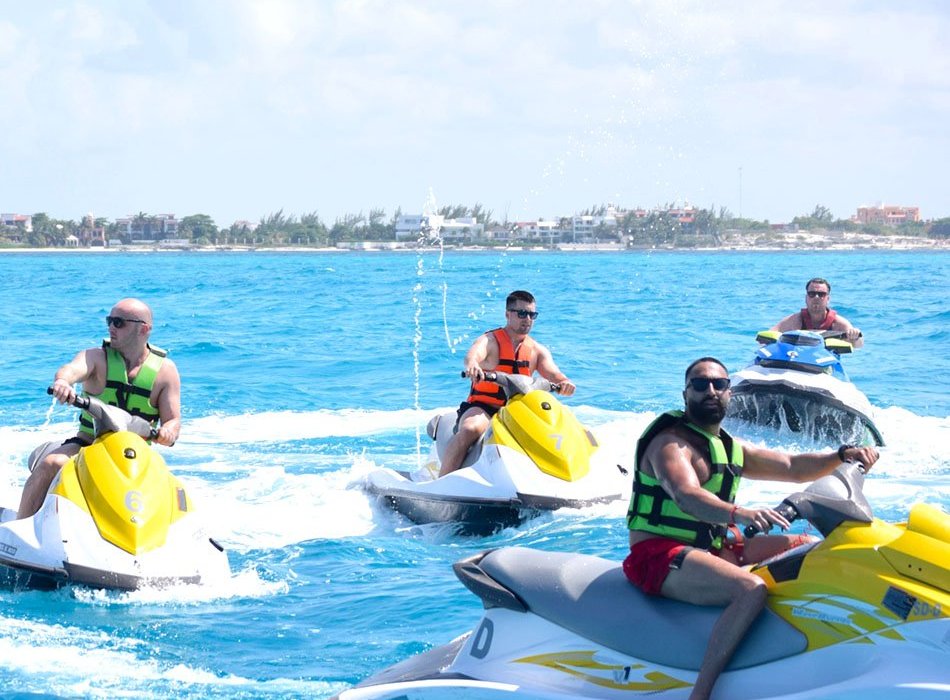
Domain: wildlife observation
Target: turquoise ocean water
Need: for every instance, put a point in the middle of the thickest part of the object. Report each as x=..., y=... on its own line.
x=302, y=372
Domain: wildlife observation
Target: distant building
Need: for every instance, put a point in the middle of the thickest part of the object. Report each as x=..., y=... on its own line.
x=465, y=228
x=91, y=233
x=685, y=214
x=147, y=229
x=24, y=221
x=586, y=228
x=886, y=215
x=410, y=226
x=540, y=231
x=433, y=227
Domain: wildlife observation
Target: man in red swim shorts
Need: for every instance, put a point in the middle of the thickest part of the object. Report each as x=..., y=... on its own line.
x=684, y=524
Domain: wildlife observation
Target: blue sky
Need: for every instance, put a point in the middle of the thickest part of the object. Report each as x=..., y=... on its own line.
x=537, y=108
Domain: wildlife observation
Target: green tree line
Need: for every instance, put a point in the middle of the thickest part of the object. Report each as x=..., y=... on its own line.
x=664, y=226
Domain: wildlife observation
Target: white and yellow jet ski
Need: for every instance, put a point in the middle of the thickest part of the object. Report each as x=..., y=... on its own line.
x=863, y=613
x=115, y=517
x=535, y=457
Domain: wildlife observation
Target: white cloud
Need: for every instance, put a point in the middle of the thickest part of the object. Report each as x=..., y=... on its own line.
x=553, y=105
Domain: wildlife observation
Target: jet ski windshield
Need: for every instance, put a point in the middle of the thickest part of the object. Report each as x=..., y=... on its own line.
x=802, y=338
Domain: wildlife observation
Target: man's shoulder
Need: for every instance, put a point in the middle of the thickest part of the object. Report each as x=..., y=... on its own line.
x=840, y=322
x=790, y=322
x=672, y=434
x=528, y=340
x=168, y=366
x=97, y=353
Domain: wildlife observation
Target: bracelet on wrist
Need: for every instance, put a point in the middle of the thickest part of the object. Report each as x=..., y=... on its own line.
x=841, y=451
x=732, y=515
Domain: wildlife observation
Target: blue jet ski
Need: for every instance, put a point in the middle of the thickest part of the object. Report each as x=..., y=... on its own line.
x=797, y=381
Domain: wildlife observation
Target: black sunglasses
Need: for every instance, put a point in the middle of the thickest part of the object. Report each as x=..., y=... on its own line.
x=524, y=313
x=702, y=383
x=119, y=322
x=813, y=294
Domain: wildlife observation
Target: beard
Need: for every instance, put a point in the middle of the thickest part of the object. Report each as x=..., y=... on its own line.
x=706, y=411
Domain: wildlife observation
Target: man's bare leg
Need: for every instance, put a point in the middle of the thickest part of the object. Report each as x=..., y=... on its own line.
x=38, y=483
x=705, y=579
x=473, y=423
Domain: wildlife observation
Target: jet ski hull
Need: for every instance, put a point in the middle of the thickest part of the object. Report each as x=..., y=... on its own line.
x=819, y=405
x=562, y=665
x=861, y=613
x=503, y=490
x=36, y=553
x=472, y=516
x=568, y=628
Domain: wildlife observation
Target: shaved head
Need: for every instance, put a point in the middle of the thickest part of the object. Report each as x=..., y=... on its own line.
x=133, y=308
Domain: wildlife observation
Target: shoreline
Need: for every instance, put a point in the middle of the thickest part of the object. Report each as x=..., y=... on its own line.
x=937, y=247
x=789, y=243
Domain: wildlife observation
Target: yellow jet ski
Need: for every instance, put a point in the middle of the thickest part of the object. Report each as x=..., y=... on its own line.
x=862, y=613
x=115, y=517
x=536, y=456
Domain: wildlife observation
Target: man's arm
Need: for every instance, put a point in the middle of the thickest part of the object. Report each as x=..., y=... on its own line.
x=550, y=371
x=670, y=457
x=792, y=322
x=671, y=460
x=851, y=334
x=169, y=404
x=476, y=356
x=762, y=463
x=82, y=367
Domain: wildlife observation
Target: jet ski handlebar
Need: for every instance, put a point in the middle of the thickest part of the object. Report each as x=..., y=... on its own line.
x=112, y=418
x=537, y=382
x=785, y=509
x=80, y=402
x=827, y=502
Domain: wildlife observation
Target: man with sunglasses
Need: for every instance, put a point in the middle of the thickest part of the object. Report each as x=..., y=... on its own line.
x=818, y=316
x=125, y=371
x=508, y=349
x=684, y=523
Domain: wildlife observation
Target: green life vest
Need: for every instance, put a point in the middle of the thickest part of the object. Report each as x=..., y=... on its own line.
x=653, y=510
x=119, y=391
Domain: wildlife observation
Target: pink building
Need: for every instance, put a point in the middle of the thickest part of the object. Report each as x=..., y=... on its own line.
x=886, y=214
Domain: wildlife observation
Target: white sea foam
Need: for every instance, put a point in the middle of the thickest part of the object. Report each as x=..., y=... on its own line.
x=282, y=426
x=244, y=584
x=72, y=661
x=258, y=490
x=271, y=508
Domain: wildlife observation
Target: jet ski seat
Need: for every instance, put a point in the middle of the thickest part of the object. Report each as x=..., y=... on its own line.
x=591, y=597
x=442, y=427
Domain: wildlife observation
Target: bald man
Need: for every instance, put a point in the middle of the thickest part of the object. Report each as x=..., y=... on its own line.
x=141, y=380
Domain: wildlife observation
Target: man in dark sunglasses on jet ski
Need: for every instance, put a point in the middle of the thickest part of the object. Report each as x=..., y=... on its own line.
x=507, y=349
x=125, y=371
x=818, y=316
x=684, y=523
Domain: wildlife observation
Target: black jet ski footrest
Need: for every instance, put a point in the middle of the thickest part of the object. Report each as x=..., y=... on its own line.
x=50, y=571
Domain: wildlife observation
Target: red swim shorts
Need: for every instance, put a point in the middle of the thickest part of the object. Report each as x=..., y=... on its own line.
x=648, y=563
